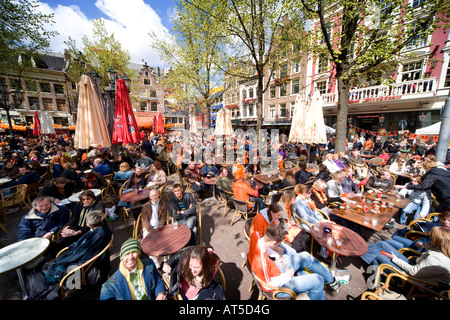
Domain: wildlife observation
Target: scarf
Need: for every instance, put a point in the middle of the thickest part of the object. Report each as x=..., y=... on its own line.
x=137, y=288
x=320, y=194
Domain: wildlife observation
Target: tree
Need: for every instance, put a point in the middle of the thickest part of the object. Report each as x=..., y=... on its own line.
x=22, y=33
x=260, y=34
x=195, y=49
x=360, y=36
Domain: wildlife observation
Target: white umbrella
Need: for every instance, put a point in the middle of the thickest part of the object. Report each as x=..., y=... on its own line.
x=430, y=130
x=314, y=124
x=228, y=130
x=193, y=124
x=220, y=123
x=329, y=129
x=46, y=124
x=297, y=125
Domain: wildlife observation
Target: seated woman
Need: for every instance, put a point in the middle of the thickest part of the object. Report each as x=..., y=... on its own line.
x=124, y=171
x=44, y=284
x=157, y=177
x=318, y=194
x=93, y=180
x=305, y=208
x=433, y=265
x=76, y=226
x=136, y=181
x=334, y=188
x=323, y=173
x=192, y=271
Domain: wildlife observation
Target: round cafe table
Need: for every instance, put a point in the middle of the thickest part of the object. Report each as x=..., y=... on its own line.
x=166, y=240
x=353, y=245
x=135, y=195
x=16, y=255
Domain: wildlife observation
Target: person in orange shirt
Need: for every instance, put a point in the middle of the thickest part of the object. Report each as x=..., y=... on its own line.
x=289, y=270
x=243, y=191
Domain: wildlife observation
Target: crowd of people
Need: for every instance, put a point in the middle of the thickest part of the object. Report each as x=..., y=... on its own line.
x=311, y=181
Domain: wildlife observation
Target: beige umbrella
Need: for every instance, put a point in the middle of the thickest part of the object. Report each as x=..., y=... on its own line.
x=298, y=120
x=228, y=128
x=220, y=123
x=193, y=124
x=314, y=131
x=91, y=125
x=46, y=124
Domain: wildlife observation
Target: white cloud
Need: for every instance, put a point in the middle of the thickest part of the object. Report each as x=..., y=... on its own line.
x=130, y=21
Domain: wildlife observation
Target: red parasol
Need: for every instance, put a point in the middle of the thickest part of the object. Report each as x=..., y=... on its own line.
x=159, y=127
x=37, y=124
x=126, y=129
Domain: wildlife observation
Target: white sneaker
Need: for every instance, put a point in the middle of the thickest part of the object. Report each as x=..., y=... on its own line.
x=340, y=280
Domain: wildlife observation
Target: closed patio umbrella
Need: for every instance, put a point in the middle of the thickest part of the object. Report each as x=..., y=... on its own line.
x=193, y=124
x=91, y=127
x=220, y=123
x=298, y=121
x=46, y=124
x=314, y=130
x=228, y=128
x=126, y=129
x=159, y=127
x=37, y=124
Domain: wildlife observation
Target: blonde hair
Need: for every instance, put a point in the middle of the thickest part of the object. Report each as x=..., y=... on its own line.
x=124, y=166
x=440, y=238
x=287, y=196
x=428, y=164
x=319, y=184
x=338, y=175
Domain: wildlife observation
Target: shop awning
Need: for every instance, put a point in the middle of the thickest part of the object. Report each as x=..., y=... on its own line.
x=144, y=121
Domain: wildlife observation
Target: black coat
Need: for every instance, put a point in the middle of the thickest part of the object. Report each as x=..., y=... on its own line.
x=438, y=181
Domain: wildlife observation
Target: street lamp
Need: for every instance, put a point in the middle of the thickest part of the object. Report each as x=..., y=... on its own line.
x=4, y=101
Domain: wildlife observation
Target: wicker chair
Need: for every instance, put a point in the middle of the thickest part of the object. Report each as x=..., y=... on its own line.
x=12, y=197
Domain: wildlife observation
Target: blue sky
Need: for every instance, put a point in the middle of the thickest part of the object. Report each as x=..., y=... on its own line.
x=129, y=20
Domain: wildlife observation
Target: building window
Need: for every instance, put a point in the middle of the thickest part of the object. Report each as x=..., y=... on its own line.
x=250, y=93
x=284, y=70
x=295, y=86
x=322, y=65
x=154, y=106
x=15, y=84
x=322, y=87
x=45, y=87
x=143, y=105
x=283, y=90
x=251, y=110
x=283, y=112
x=296, y=66
x=48, y=104
x=292, y=109
x=153, y=93
x=147, y=82
x=59, y=88
x=419, y=40
x=31, y=86
x=412, y=71
x=34, y=103
x=61, y=105
x=272, y=112
x=244, y=94
x=447, y=77
x=272, y=93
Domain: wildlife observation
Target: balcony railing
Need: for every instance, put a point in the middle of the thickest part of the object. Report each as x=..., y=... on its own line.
x=385, y=92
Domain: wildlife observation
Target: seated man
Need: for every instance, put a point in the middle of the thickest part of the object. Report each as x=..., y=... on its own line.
x=58, y=188
x=302, y=176
x=194, y=177
x=45, y=282
x=359, y=163
x=135, y=279
x=144, y=161
x=243, y=191
x=43, y=220
x=209, y=169
x=382, y=182
x=183, y=209
x=27, y=176
x=289, y=270
x=154, y=213
x=223, y=182
x=102, y=168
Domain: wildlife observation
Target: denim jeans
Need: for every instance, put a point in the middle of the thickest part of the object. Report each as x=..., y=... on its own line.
x=302, y=281
x=412, y=206
x=191, y=223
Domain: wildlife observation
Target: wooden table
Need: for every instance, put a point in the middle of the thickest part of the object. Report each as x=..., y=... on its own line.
x=267, y=178
x=166, y=240
x=385, y=197
x=135, y=195
x=375, y=161
x=16, y=255
x=366, y=218
x=353, y=245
